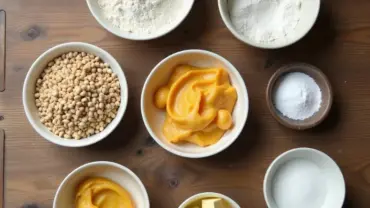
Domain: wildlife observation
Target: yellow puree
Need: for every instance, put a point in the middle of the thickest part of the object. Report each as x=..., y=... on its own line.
x=102, y=193
x=199, y=103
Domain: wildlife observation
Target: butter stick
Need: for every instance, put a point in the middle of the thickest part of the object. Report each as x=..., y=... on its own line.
x=213, y=203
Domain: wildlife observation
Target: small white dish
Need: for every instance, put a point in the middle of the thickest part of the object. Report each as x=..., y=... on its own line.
x=66, y=193
x=96, y=11
x=305, y=178
x=196, y=197
x=34, y=73
x=153, y=117
x=310, y=13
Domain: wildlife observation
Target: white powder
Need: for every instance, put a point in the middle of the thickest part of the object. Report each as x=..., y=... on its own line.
x=142, y=17
x=297, y=96
x=265, y=20
x=299, y=184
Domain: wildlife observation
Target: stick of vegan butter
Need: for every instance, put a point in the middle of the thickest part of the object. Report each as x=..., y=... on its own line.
x=213, y=203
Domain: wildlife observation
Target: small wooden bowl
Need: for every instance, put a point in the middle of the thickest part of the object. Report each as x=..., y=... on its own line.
x=320, y=79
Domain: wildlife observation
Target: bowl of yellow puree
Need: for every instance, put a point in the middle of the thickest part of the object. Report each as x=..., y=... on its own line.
x=101, y=185
x=194, y=103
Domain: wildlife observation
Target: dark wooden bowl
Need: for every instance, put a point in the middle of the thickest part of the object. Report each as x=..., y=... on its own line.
x=320, y=79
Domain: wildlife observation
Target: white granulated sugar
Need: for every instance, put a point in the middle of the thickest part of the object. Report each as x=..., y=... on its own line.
x=299, y=183
x=297, y=96
x=265, y=21
x=142, y=17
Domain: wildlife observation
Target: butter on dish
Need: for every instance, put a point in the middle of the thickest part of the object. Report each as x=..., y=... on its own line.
x=209, y=203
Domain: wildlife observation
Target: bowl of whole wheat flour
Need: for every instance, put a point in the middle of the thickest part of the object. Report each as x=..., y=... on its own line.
x=140, y=19
x=269, y=23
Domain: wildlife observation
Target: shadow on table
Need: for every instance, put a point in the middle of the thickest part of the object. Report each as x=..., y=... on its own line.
x=246, y=142
x=331, y=122
x=31, y=206
x=348, y=203
x=125, y=131
x=190, y=29
x=315, y=42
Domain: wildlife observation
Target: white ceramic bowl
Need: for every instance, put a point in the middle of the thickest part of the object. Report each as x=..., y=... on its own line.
x=322, y=177
x=66, y=193
x=154, y=118
x=96, y=11
x=310, y=12
x=34, y=73
x=196, y=197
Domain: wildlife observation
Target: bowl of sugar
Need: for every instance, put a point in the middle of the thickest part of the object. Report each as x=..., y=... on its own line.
x=299, y=96
x=304, y=178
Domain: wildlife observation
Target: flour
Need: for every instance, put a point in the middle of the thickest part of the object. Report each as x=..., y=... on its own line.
x=297, y=96
x=265, y=20
x=141, y=17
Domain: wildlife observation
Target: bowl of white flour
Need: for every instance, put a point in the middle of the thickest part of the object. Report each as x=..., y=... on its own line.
x=269, y=24
x=140, y=19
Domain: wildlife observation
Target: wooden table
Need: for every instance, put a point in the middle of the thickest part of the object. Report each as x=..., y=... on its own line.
x=339, y=44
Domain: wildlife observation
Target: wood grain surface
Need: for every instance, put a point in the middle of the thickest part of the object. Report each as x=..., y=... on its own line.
x=339, y=44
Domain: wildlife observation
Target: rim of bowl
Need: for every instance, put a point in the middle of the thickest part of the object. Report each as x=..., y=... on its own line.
x=124, y=100
x=268, y=174
x=230, y=26
x=105, y=26
x=158, y=140
x=87, y=165
x=211, y=194
x=293, y=68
